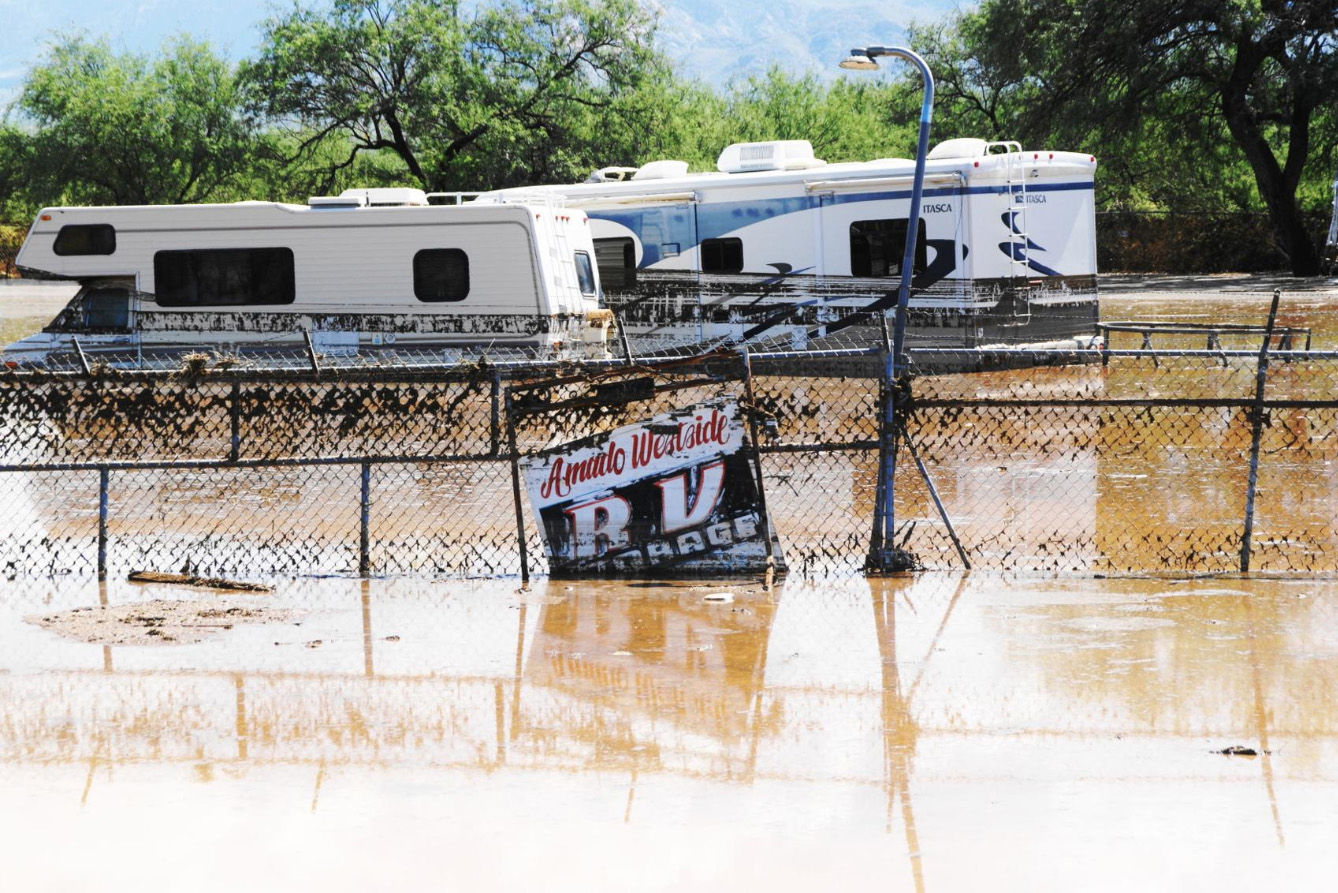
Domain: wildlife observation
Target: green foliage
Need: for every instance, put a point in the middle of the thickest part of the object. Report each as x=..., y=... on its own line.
x=1200, y=104
x=1205, y=107
x=123, y=129
x=465, y=99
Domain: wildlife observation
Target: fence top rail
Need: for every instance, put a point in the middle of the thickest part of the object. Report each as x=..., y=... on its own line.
x=529, y=371
x=1196, y=328
x=411, y=372
x=1096, y=354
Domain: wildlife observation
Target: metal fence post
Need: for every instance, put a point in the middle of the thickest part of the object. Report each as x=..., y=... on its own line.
x=235, y=418
x=364, y=521
x=495, y=421
x=104, y=476
x=515, y=491
x=757, y=460
x=1256, y=433
x=882, y=555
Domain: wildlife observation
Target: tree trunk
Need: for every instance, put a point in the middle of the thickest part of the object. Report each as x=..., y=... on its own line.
x=1278, y=193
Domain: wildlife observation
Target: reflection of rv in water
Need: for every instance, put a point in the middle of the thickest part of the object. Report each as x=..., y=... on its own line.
x=1006, y=254
x=372, y=268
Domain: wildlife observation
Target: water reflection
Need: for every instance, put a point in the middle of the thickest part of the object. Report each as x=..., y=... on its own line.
x=924, y=709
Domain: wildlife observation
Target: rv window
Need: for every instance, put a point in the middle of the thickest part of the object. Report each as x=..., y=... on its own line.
x=585, y=273
x=83, y=239
x=877, y=246
x=224, y=277
x=107, y=308
x=441, y=274
x=722, y=255
x=616, y=259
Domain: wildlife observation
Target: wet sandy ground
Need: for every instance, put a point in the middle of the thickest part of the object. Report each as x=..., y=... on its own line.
x=939, y=733
x=26, y=306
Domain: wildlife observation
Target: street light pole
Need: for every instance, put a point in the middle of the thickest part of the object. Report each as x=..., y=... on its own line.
x=862, y=59
x=883, y=555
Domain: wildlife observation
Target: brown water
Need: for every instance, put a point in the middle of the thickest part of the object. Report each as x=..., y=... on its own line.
x=939, y=733
x=930, y=733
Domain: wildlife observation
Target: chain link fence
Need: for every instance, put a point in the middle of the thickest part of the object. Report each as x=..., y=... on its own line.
x=1098, y=461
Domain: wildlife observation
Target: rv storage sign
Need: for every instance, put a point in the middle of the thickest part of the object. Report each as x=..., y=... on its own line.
x=675, y=493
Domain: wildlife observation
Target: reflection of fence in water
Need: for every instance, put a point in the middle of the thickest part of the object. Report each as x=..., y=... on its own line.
x=1140, y=463
x=779, y=684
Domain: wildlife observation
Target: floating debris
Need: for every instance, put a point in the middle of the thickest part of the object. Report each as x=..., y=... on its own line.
x=203, y=582
x=157, y=622
x=1238, y=750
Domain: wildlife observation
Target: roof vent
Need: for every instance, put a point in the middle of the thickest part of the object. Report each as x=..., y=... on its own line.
x=661, y=170
x=611, y=175
x=392, y=197
x=963, y=147
x=776, y=155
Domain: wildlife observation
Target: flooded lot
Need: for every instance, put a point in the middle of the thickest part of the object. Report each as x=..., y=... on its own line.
x=937, y=732
x=931, y=733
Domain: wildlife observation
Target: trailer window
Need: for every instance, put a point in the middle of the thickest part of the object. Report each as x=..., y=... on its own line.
x=585, y=273
x=441, y=274
x=616, y=259
x=106, y=308
x=80, y=239
x=877, y=246
x=722, y=255
x=224, y=277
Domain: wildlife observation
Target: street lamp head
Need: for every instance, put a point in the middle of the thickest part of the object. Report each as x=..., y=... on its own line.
x=859, y=60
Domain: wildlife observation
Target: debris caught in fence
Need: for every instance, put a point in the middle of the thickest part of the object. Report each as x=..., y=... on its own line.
x=1115, y=461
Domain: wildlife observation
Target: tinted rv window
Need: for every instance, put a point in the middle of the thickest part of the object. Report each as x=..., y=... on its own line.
x=224, y=277
x=722, y=255
x=876, y=247
x=585, y=273
x=107, y=308
x=80, y=239
x=441, y=274
x=616, y=259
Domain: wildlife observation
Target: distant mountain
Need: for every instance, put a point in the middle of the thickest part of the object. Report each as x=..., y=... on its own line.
x=720, y=41
x=715, y=40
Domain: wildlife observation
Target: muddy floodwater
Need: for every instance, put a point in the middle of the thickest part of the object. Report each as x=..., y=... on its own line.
x=934, y=732
x=931, y=733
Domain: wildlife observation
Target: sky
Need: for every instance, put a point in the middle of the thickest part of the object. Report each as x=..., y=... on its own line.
x=716, y=40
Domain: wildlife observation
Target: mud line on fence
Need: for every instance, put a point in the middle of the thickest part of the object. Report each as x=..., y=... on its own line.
x=1139, y=464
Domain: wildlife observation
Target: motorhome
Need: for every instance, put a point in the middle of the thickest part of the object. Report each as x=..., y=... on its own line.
x=777, y=242
x=370, y=269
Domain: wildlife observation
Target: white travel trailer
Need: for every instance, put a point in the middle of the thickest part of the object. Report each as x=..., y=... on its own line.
x=370, y=269
x=777, y=241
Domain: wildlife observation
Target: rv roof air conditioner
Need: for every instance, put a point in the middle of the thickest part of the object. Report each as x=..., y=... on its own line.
x=390, y=197
x=336, y=202
x=776, y=155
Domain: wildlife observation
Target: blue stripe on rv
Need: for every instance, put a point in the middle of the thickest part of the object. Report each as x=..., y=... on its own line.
x=676, y=224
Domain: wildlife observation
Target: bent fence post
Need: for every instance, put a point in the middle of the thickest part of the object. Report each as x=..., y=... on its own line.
x=1256, y=432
